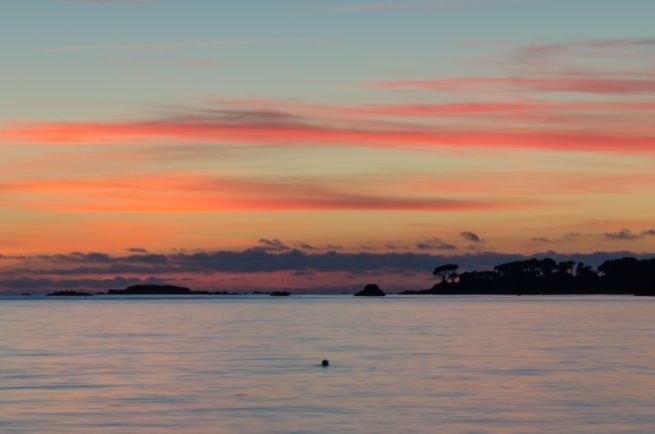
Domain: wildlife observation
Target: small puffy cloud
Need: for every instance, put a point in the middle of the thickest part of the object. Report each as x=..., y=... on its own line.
x=435, y=243
x=150, y=258
x=137, y=250
x=649, y=232
x=84, y=257
x=471, y=236
x=273, y=245
x=438, y=246
x=576, y=235
x=541, y=240
x=623, y=234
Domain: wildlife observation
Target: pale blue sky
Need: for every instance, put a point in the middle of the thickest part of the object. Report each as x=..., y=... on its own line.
x=133, y=56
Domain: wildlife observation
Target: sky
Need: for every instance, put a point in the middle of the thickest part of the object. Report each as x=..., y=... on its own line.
x=319, y=145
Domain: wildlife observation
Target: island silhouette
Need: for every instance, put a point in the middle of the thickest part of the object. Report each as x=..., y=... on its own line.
x=626, y=275
x=370, y=290
x=68, y=294
x=155, y=290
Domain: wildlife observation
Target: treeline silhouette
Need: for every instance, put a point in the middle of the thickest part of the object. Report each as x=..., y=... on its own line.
x=545, y=276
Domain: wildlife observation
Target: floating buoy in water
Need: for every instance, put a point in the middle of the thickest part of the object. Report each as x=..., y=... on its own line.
x=325, y=363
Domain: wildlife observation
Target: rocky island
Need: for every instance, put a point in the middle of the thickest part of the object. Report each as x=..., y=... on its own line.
x=160, y=290
x=151, y=290
x=370, y=290
x=68, y=294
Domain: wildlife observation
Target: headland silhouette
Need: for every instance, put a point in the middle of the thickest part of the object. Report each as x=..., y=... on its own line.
x=626, y=275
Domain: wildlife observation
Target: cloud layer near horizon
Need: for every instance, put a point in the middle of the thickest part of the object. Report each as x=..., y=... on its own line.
x=215, y=270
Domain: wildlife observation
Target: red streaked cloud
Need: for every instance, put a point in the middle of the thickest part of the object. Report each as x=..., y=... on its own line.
x=607, y=67
x=617, y=48
x=418, y=110
x=602, y=86
x=172, y=193
x=261, y=131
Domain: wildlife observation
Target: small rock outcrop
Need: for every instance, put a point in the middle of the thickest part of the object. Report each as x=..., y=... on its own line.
x=370, y=290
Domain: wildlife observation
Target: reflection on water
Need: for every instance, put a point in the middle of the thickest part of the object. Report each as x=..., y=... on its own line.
x=399, y=364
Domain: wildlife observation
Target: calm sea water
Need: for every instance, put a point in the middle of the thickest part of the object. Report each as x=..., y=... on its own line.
x=251, y=364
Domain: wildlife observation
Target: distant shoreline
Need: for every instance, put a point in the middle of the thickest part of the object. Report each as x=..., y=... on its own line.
x=624, y=276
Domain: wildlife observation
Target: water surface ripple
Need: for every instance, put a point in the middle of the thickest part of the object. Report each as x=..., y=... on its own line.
x=251, y=364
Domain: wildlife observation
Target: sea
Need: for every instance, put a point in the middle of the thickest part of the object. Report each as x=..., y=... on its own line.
x=397, y=364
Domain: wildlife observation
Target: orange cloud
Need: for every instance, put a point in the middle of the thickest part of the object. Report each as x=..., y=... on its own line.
x=257, y=130
x=187, y=193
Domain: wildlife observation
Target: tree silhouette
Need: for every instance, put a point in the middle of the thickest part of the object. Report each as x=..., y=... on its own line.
x=546, y=276
x=446, y=272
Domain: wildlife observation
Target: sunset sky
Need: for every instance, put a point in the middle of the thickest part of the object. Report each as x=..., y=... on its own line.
x=319, y=145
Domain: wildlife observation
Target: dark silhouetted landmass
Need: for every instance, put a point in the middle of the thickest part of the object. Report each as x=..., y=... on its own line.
x=151, y=290
x=370, y=290
x=280, y=294
x=161, y=290
x=69, y=294
x=545, y=276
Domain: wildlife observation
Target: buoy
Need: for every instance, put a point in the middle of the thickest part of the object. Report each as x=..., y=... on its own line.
x=325, y=363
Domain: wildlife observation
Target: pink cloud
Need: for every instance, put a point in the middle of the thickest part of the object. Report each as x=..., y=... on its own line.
x=603, y=117
x=587, y=48
x=608, y=67
x=603, y=86
x=276, y=129
x=301, y=107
